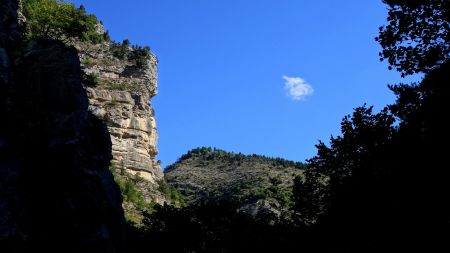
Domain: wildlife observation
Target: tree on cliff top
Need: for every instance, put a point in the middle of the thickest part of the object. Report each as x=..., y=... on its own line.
x=53, y=19
x=417, y=36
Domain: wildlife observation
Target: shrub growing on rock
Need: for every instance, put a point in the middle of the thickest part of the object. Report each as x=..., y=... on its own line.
x=56, y=19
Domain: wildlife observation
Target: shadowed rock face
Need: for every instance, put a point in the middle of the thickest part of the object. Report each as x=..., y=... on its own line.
x=56, y=190
x=11, y=27
x=11, y=22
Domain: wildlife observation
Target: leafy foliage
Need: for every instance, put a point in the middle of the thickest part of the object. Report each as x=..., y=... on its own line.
x=140, y=56
x=120, y=51
x=417, y=36
x=137, y=54
x=56, y=19
x=363, y=134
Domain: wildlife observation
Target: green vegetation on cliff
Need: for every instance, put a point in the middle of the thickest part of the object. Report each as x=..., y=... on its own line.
x=134, y=190
x=136, y=54
x=57, y=19
x=61, y=20
x=134, y=203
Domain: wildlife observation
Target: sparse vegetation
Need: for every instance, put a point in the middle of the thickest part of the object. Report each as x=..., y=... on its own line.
x=112, y=103
x=120, y=50
x=115, y=85
x=205, y=175
x=88, y=62
x=91, y=79
x=171, y=194
x=134, y=202
x=131, y=194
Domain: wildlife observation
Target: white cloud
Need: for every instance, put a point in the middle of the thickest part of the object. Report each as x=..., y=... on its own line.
x=297, y=88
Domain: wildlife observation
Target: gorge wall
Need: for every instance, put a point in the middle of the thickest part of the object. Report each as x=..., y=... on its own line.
x=121, y=97
x=119, y=93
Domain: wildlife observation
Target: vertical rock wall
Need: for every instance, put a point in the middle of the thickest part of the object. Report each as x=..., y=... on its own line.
x=121, y=97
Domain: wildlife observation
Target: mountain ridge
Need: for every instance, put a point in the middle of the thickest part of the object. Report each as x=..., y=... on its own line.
x=260, y=185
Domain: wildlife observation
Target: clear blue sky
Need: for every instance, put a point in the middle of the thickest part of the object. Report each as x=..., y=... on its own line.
x=222, y=65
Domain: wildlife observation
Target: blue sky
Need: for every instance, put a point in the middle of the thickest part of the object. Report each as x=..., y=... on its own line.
x=269, y=77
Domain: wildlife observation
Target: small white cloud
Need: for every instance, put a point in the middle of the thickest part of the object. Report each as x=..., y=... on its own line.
x=297, y=88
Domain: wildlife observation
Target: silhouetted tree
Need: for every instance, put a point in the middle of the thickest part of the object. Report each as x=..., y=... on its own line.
x=363, y=135
x=419, y=176
x=342, y=192
x=382, y=184
x=417, y=36
x=307, y=195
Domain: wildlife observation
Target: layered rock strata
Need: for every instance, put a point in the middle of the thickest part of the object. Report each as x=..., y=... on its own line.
x=121, y=97
x=120, y=94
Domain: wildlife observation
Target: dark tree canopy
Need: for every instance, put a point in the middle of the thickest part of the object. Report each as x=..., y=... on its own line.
x=417, y=36
x=363, y=135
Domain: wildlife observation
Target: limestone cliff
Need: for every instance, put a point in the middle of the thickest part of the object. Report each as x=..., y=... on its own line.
x=121, y=98
x=120, y=92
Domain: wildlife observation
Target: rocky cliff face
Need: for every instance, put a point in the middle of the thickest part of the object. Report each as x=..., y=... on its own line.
x=11, y=22
x=119, y=93
x=11, y=28
x=56, y=190
x=122, y=100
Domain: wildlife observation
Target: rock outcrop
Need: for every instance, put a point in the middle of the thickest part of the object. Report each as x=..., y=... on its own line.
x=57, y=193
x=119, y=93
x=121, y=98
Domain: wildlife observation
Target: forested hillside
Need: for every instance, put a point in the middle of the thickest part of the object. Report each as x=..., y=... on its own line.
x=261, y=186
